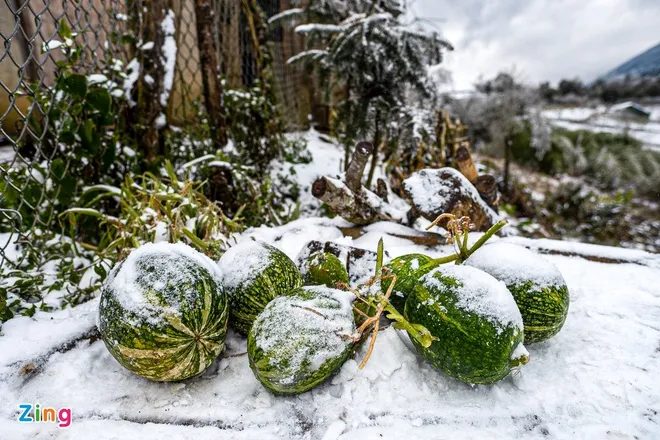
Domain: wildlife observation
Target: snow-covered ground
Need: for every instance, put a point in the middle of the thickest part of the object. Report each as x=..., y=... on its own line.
x=597, y=119
x=598, y=378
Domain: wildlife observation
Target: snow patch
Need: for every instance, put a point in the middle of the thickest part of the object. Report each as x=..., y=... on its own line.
x=243, y=262
x=515, y=265
x=169, y=50
x=157, y=265
x=478, y=293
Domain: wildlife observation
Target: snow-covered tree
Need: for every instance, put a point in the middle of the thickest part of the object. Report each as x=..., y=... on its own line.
x=370, y=61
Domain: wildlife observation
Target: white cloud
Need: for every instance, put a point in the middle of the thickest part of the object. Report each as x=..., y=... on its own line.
x=542, y=39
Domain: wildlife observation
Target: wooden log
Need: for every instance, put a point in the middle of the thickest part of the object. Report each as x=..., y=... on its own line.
x=208, y=61
x=437, y=191
x=150, y=82
x=441, y=137
x=381, y=189
x=354, y=207
x=466, y=165
x=356, y=167
x=421, y=238
x=487, y=187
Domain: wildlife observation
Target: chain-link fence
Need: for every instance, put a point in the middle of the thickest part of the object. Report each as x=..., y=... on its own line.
x=100, y=40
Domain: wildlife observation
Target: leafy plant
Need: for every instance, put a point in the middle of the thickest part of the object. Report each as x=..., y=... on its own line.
x=372, y=63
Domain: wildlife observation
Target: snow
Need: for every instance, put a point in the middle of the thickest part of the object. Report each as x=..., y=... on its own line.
x=163, y=262
x=519, y=352
x=479, y=293
x=133, y=69
x=625, y=105
x=327, y=161
x=515, y=265
x=289, y=13
x=197, y=161
x=96, y=78
x=598, y=119
x=571, y=113
x=306, y=53
x=106, y=188
x=161, y=120
x=596, y=379
x=325, y=323
x=51, y=45
x=46, y=331
x=243, y=262
x=317, y=27
x=622, y=255
x=169, y=50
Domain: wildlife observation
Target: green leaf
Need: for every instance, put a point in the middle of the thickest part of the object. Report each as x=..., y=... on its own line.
x=109, y=156
x=67, y=137
x=100, y=99
x=85, y=211
x=57, y=168
x=76, y=85
x=67, y=190
x=127, y=39
x=63, y=30
x=379, y=256
x=86, y=133
x=95, y=146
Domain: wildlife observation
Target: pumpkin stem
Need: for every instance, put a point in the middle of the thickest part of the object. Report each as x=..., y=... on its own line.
x=375, y=299
x=484, y=238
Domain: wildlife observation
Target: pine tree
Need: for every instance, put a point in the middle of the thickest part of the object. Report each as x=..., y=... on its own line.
x=364, y=53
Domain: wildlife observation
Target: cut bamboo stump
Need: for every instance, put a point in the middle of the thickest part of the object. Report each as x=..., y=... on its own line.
x=487, y=187
x=437, y=191
x=349, y=199
x=466, y=164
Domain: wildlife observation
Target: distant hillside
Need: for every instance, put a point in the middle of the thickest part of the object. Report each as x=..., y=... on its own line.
x=646, y=64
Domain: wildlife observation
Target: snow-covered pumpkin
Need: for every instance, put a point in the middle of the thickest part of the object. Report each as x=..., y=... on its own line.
x=163, y=312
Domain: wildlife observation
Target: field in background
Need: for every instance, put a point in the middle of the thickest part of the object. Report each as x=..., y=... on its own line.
x=598, y=119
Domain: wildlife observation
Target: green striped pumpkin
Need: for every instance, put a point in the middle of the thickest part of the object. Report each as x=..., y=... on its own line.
x=302, y=339
x=323, y=268
x=253, y=274
x=163, y=312
x=408, y=269
x=536, y=284
x=475, y=321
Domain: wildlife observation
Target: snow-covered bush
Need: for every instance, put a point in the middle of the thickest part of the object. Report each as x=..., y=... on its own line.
x=374, y=65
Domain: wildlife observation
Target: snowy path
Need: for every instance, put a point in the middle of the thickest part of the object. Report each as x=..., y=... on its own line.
x=597, y=379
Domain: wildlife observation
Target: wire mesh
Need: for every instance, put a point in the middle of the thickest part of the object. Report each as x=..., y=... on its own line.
x=28, y=70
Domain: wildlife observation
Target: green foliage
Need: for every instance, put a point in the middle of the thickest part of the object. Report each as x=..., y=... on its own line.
x=78, y=207
x=152, y=209
x=608, y=160
x=76, y=120
x=253, y=127
x=148, y=208
x=51, y=263
x=371, y=63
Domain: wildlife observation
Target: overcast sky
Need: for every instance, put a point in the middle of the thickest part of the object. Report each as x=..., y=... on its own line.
x=542, y=39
